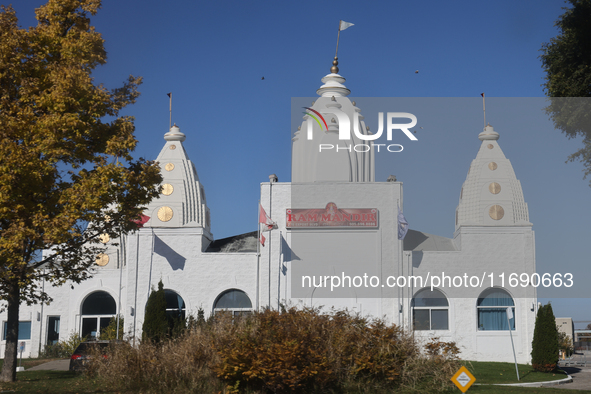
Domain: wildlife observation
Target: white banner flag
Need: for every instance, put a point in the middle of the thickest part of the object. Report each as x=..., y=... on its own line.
x=345, y=25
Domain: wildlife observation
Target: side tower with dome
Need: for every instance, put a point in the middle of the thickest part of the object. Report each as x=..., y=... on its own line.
x=493, y=241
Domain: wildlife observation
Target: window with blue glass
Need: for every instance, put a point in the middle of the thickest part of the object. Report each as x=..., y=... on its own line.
x=24, y=330
x=492, y=310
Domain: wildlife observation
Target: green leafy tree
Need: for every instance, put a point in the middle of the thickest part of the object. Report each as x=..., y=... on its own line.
x=109, y=333
x=544, y=354
x=155, y=327
x=565, y=343
x=566, y=59
x=61, y=165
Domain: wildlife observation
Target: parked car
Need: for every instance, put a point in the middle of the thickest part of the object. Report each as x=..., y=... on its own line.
x=83, y=353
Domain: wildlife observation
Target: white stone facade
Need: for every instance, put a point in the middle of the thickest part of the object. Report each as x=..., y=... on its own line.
x=493, y=236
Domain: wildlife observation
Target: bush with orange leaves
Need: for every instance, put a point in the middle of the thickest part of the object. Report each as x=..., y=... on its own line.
x=304, y=350
x=289, y=351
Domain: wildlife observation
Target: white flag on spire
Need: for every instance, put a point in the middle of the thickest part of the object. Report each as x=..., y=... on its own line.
x=345, y=25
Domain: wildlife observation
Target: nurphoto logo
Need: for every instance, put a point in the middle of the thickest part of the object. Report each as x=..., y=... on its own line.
x=345, y=129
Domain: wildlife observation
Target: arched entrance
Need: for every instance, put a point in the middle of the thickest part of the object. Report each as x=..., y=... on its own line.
x=97, y=310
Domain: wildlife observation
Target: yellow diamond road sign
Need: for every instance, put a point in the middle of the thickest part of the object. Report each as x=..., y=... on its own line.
x=463, y=379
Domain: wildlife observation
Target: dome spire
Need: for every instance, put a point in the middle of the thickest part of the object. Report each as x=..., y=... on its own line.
x=488, y=133
x=342, y=26
x=491, y=194
x=175, y=134
x=334, y=69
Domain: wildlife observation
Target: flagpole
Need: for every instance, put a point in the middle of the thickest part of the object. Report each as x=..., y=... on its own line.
x=137, y=263
x=512, y=345
x=169, y=110
x=483, y=109
x=400, y=316
x=151, y=260
x=270, y=237
x=279, y=270
x=338, y=37
x=342, y=26
x=120, y=258
x=258, y=255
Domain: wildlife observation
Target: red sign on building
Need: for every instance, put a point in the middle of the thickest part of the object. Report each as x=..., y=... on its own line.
x=331, y=216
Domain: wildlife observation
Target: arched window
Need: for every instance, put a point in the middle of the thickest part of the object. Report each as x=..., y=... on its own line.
x=234, y=301
x=97, y=310
x=175, y=305
x=430, y=310
x=492, y=310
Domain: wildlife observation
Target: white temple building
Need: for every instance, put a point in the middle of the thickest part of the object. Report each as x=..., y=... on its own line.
x=332, y=220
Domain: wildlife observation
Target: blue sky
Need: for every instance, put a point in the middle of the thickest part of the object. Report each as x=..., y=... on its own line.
x=212, y=56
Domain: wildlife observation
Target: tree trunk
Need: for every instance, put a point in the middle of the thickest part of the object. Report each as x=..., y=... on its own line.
x=8, y=373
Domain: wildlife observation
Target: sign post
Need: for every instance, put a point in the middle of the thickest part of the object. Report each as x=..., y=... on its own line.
x=463, y=379
x=509, y=317
x=21, y=348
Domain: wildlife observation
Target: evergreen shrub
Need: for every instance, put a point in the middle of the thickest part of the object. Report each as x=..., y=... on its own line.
x=544, y=354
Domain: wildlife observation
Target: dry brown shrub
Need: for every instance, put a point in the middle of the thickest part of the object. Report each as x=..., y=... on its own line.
x=288, y=351
x=179, y=365
x=277, y=352
x=304, y=350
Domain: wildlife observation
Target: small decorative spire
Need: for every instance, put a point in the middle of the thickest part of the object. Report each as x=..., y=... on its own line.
x=175, y=134
x=334, y=69
x=488, y=134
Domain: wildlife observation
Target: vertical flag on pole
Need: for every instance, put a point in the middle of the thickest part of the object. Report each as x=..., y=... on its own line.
x=402, y=225
x=266, y=221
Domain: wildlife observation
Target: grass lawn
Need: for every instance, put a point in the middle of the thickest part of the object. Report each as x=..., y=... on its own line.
x=53, y=382
x=489, y=373
x=521, y=390
x=504, y=373
x=30, y=362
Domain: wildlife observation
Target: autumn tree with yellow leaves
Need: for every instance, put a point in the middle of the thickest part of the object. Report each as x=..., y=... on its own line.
x=64, y=157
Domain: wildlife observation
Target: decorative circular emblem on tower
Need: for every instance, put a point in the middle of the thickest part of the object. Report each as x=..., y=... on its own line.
x=494, y=188
x=172, y=147
x=165, y=214
x=496, y=212
x=104, y=238
x=492, y=166
x=169, y=167
x=489, y=146
x=167, y=189
x=102, y=260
